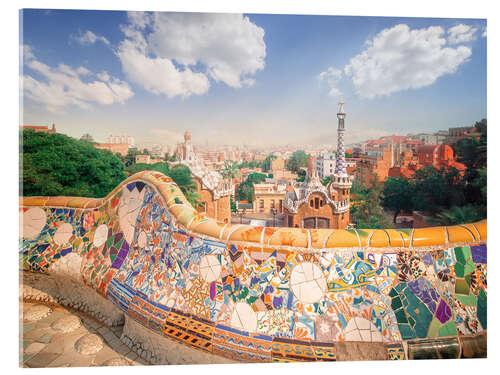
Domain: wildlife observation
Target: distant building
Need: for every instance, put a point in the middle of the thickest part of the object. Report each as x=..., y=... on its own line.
x=143, y=159
x=440, y=156
x=456, y=134
x=268, y=196
x=43, y=129
x=277, y=164
x=374, y=163
x=122, y=139
x=325, y=164
x=215, y=192
x=121, y=148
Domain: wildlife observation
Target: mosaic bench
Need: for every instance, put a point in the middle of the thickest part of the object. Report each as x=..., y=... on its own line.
x=258, y=294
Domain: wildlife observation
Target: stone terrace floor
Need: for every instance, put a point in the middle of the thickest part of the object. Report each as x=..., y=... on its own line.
x=55, y=336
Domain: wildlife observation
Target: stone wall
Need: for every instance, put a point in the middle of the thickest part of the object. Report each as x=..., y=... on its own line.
x=259, y=294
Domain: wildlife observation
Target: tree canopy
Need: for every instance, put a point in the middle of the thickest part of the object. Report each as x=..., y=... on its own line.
x=297, y=160
x=180, y=173
x=366, y=209
x=245, y=190
x=55, y=164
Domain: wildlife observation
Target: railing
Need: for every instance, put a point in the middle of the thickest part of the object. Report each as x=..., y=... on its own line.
x=265, y=294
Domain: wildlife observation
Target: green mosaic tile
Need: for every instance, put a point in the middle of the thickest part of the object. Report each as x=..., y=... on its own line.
x=469, y=300
x=401, y=316
x=434, y=328
x=459, y=270
x=396, y=303
x=482, y=309
x=406, y=332
x=461, y=287
x=449, y=329
x=459, y=255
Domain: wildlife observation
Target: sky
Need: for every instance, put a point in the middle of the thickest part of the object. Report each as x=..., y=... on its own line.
x=251, y=79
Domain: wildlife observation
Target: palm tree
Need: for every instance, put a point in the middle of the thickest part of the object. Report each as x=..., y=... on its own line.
x=230, y=170
x=457, y=215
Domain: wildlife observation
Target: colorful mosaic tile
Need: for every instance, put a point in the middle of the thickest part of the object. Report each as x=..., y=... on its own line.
x=255, y=302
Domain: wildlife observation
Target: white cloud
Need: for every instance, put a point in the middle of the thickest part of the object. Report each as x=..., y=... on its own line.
x=399, y=59
x=26, y=53
x=332, y=77
x=176, y=53
x=461, y=34
x=90, y=38
x=63, y=86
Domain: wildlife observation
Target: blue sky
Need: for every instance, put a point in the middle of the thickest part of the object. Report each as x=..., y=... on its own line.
x=251, y=79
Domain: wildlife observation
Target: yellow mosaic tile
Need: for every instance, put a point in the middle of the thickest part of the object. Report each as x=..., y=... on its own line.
x=78, y=202
x=94, y=203
x=364, y=235
x=379, y=238
x=57, y=201
x=247, y=233
x=395, y=238
x=290, y=237
x=459, y=234
x=343, y=238
x=32, y=201
x=429, y=236
x=208, y=227
x=268, y=233
x=319, y=237
x=482, y=229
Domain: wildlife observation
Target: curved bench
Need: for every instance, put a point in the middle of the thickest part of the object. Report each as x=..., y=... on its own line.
x=255, y=293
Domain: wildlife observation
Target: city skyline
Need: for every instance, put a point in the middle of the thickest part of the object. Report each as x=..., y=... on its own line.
x=154, y=75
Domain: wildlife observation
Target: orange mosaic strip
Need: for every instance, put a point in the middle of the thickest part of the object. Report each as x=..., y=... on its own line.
x=283, y=236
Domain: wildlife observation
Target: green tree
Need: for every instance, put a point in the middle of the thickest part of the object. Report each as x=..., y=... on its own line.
x=55, y=164
x=297, y=160
x=437, y=189
x=398, y=195
x=252, y=164
x=458, y=215
x=368, y=213
x=267, y=162
x=245, y=190
x=129, y=159
x=301, y=175
x=230, y=170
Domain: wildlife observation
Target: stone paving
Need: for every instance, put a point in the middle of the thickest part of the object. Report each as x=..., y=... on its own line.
x=55, y=336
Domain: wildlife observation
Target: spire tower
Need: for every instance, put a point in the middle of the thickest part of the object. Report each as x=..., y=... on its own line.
x=340, y=165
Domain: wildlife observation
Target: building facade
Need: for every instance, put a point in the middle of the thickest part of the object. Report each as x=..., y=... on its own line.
x=268, y=197
x=122, y=139
x=325, y=164
x=120, y=148
x=312, y=205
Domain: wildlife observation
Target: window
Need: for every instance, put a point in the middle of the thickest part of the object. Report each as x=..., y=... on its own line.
x=311, y=203
x=261, y=203
x=272, y=203
x=316, y=203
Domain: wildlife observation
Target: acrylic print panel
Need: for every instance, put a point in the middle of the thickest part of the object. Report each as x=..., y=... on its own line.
x=198, y=188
